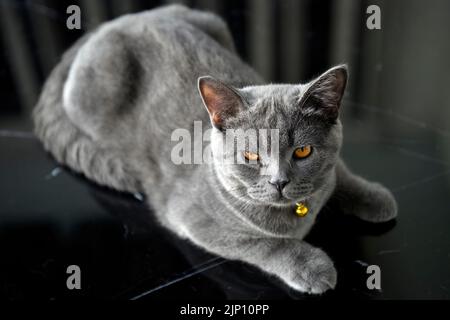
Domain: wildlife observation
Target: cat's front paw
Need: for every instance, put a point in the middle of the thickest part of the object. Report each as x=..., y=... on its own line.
x=380, y=205
x=383, y=205
x=315, y=275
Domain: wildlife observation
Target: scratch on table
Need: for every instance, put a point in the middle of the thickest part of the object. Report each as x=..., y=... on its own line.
x=401, y=117
x=421, y=156
x=138, y=196
x=390, y=251
x=54, y=173
x=362, y=263
x=17, y=134
x=420, y=181
x=209, y=265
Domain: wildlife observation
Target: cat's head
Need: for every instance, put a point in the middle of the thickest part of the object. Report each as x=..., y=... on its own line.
x=309, y=136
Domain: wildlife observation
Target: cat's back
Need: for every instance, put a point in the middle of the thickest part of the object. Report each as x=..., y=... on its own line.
x=143, y=68
x=117, y=95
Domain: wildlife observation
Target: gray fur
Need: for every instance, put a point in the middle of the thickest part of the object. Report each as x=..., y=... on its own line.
x=109, y=108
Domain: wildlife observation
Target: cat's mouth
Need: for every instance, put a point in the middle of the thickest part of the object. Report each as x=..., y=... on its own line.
x=281, y=198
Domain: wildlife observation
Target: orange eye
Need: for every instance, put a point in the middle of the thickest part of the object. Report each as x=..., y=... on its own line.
x=251, y=156
x=302, y=152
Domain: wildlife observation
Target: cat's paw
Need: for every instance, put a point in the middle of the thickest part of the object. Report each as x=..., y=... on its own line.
x=316, y=275
x=379, y=205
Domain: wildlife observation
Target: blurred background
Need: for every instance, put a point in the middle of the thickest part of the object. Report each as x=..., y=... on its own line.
x=396, y=116
x=404, y=66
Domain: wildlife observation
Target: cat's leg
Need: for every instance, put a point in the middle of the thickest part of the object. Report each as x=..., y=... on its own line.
x=71, y=145
x=101, y=86
x=370, y=201
x=297, y=263
x=300, y=265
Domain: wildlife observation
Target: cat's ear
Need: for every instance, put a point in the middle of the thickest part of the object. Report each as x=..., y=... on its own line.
x=221, y=100
x=324, y=94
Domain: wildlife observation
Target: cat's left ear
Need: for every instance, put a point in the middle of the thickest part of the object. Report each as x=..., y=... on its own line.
x=324, y=94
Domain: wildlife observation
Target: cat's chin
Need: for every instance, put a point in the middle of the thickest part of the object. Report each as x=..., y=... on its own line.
x=279, y=201
x=286, y=204
x=282, y=202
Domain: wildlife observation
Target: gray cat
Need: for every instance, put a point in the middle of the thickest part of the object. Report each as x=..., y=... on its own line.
x=108, y=110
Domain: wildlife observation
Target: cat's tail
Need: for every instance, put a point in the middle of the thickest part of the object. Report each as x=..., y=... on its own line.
x=70, y=145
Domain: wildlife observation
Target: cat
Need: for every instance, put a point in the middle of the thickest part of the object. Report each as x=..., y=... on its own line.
x=109, y=107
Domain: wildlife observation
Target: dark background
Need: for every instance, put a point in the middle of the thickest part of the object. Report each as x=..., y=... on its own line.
x=396, y=117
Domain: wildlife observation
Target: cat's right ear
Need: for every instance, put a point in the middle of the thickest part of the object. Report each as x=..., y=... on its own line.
x=221, y=101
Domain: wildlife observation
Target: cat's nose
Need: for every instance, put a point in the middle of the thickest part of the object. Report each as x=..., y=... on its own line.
x=279, y=183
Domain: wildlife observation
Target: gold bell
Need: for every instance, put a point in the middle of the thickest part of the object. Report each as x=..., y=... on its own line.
x=301, y=210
